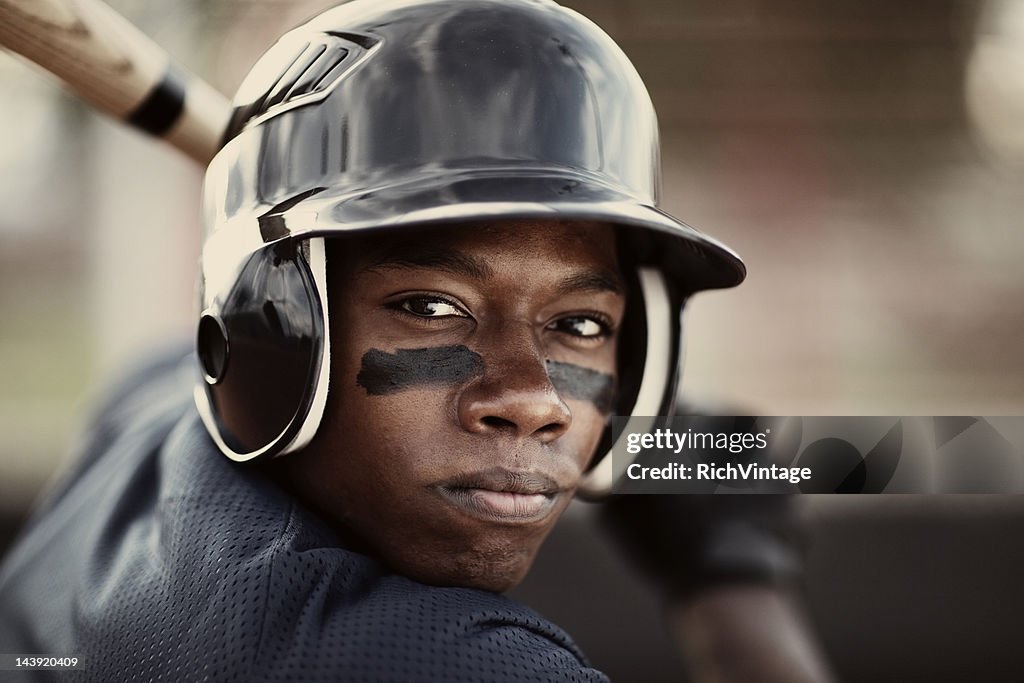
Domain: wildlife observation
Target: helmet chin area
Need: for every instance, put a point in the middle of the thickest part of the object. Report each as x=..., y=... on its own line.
x=264, y=353
x=657, y=385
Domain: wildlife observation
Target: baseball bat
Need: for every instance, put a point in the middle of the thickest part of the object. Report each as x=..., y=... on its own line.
x=117, y=69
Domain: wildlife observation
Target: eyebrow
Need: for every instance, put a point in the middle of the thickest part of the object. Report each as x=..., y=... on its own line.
x=457, y=263
x=592, y=281
x=434, y=258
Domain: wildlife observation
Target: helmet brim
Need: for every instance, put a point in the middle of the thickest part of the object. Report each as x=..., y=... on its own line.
x=692, y=260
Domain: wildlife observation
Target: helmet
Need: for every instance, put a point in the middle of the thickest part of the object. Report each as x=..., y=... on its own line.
x=387, y=115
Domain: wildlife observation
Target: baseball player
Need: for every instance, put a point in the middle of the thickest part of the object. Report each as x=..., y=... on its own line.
x=433, y=270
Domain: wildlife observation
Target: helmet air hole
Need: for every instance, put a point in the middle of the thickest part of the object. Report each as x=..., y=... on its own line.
x=212, y=348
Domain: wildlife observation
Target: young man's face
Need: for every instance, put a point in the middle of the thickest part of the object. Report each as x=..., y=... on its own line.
x=473, y=371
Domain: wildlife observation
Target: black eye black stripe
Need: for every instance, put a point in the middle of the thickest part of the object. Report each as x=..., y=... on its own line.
x=385, y=373
x=583, y=383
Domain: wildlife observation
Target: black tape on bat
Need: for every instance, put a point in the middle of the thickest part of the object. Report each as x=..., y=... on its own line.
x=160, y=110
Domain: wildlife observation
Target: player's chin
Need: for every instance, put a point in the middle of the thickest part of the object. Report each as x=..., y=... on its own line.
x=494, y=559
x=495, y=571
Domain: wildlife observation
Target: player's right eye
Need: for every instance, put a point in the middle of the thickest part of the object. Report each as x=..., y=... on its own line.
x=430, y=306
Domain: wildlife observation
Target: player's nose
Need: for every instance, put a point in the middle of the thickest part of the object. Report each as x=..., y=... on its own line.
x=515, y=394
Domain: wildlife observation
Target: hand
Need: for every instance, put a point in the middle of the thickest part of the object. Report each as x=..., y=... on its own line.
x=726, y=564
x=688, y=543
x=748, y=633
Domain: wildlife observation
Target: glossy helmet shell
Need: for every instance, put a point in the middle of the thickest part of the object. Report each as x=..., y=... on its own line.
x=396, y=114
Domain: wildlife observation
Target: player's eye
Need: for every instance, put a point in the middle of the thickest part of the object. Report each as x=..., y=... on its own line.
x=584, y=326
x=431, y=307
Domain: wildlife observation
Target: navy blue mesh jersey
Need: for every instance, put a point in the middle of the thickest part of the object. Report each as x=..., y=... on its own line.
x=157, y=559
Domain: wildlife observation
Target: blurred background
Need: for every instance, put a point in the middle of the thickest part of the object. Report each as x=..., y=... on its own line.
x=865, y=157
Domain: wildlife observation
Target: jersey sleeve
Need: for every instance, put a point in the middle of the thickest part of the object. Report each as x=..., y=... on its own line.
x=335, y=615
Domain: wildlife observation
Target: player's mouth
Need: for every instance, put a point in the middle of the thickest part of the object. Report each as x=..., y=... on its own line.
x=500, y=495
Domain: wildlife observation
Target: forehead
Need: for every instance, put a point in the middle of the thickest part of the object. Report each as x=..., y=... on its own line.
x=482, y=249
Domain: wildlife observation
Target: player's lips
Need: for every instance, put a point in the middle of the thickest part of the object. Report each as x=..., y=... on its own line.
x=502, y=495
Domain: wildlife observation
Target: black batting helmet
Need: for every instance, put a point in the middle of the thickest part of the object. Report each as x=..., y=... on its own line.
x=386, y=115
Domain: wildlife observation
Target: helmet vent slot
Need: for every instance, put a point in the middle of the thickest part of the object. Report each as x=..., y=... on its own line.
x=313, y=67
x=313, y=71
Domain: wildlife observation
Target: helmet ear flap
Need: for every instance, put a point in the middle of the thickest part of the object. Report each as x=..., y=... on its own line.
x=649, y=387
x=263, y=352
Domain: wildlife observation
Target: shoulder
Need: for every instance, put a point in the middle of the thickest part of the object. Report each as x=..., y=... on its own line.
x=335, y=615
x=375, y=626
